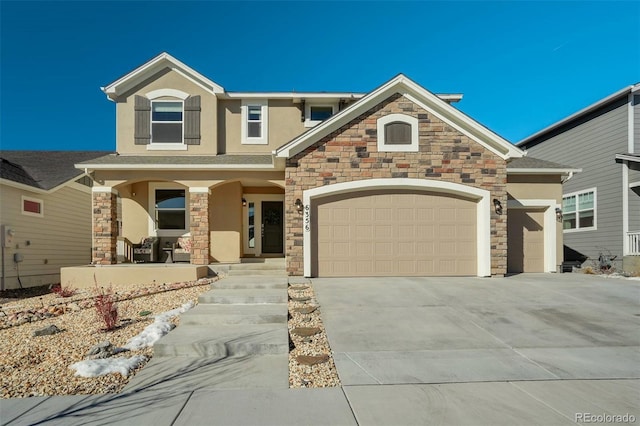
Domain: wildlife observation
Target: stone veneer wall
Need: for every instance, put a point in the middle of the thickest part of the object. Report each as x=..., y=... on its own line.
x=351, y=154
x=199, y=227
x=105, y=228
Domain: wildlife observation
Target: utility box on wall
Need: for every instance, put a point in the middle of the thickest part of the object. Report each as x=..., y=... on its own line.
x=7, y=235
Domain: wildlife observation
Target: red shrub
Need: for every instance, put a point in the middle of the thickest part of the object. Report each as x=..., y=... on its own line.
x=63, y=291
x=106, y=307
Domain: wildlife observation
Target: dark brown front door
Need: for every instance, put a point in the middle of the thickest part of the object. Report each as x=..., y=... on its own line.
x=272, y=227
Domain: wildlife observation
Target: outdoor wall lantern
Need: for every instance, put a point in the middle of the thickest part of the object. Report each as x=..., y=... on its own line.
x=244, y=202
x=558, y=214
x=497, y=205
x=298, y=205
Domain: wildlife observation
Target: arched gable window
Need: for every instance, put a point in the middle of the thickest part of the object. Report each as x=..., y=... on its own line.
x=397, y=132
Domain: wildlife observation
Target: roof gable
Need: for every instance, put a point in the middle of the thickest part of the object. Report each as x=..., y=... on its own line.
x=422, y=97
x=44, y=170
x=152, y=67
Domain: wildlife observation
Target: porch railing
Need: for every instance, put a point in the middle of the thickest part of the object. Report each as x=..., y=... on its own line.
x=124, y=250
x=633, y=239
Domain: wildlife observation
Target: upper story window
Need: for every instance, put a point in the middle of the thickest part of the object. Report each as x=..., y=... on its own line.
x=397, y=133
x=255, y=122
x=317, y=113
x=579, y=211
x=166, y=121
x=32, y=206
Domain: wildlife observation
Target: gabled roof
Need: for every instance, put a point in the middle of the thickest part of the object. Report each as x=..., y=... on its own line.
x=531, y=165
x=155, y=65
x=43, y=170
x=582, y=115
x=426, y=99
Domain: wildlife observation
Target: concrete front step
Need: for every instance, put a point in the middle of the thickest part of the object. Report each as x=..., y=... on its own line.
x=205, y=314
x=256, y=272
x=244, y=296
x=247, y=282
x=223, y=341
x=257, y=266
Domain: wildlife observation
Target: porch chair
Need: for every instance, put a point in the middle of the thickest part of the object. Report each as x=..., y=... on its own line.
x=146, y=251
x=182, y=250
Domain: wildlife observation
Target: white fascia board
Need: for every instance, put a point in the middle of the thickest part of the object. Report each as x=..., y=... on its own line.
x=625, y=157
x=541, y=171
x=250, y=167
x=24, y=187
x=154, y=65
x=290, y=95
x=427, y=100
x=575, y=115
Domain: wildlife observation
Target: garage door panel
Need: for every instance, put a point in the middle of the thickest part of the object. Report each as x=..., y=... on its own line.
x=405, y=233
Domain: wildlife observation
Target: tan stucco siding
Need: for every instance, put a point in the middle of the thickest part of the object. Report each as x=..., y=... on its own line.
x=539, y=187
x=135, y=211
x=125, y=116
x=61, y=237
x=120, y=178
x=284, y=125
x=225, y=219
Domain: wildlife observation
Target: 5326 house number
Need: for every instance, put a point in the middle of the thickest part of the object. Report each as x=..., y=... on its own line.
x=307, y=218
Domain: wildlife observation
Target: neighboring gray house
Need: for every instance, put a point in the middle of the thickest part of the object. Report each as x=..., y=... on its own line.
x=601, y=205
x=45, y=215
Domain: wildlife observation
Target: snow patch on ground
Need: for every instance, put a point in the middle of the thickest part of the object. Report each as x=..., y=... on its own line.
x=100, y=367
x=151, y=334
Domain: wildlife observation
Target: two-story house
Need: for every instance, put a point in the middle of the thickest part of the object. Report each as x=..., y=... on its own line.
x=393, y=182
x=601, y=205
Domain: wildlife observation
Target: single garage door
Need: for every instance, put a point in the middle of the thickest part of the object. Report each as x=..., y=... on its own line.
x=399, y=233
x=525, y=233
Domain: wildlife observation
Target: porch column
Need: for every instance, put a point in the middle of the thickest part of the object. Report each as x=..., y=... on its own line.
x=105, y=225
x=199, y=224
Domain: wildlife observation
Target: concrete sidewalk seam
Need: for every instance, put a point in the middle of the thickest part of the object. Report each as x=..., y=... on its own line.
x=182, y=408
x=26, y=411
x=353, y=413
x=540, y=401
x=362, y=368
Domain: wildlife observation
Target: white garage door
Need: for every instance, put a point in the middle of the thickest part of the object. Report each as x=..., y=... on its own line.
x=399, y=233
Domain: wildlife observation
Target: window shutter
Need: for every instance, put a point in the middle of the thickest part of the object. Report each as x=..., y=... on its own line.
x=142, y=134
x=192, y=120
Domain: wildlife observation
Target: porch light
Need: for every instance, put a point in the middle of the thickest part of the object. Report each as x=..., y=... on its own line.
x=298, y=205
x=558, y=214
x=244, y=202
x=498, y=206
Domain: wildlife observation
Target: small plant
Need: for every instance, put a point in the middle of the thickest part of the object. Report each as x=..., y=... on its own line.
x=589, y=270
x=145, y=313
x=67, y=291
x=106, y=307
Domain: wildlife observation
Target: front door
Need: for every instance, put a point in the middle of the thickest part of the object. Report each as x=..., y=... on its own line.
x=272, y=227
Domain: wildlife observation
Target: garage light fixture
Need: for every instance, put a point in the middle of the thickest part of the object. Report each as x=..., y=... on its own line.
x=244, y=202
x=558, y=214
x=498, y=206
x=298, y=205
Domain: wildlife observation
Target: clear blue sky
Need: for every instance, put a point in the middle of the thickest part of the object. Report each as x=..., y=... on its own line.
x=520, y=65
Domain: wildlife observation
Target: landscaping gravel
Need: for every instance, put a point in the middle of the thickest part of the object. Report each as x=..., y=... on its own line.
x=39, y=365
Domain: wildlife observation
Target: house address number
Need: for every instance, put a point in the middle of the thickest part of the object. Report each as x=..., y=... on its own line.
x=307, y=218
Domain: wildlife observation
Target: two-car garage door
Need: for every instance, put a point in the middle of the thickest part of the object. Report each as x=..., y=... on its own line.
x=395, y=233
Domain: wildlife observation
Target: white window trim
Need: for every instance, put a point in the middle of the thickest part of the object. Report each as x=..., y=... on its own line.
x=160, y=93
x=403, y=118
x=153, y=186
x=264, y=138
x=595, y=210
x=308, y=122
x=35, y=200
x=178, y=146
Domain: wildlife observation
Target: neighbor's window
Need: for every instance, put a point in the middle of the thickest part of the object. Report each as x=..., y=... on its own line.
x=32, y=207
x=166, y=121
x=254, y=122
x=397, y=133
x=171, y=209
x=579, y=210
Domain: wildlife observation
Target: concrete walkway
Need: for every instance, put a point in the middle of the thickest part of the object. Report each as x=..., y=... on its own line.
x=529, y=349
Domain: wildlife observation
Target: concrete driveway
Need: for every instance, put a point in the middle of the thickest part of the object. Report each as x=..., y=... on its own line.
x=531, y=342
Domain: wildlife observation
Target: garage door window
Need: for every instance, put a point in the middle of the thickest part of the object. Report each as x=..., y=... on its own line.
x=397, y=133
